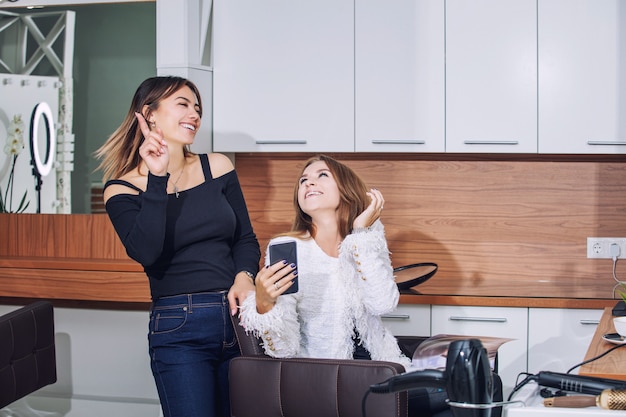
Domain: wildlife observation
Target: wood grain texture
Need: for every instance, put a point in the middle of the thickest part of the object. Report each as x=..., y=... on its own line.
x=74, y=284
x=613, y=365
x=68, y=257
x=506, y=230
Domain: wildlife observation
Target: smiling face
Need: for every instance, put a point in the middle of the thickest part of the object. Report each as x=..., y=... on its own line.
x=178, y=116
x=317, y=189
x=327, y=185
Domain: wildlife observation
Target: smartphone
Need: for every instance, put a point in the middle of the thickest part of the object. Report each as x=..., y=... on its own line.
x=285, y=251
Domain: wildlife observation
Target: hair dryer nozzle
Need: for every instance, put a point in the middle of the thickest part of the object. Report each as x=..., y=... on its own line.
x=410, y=380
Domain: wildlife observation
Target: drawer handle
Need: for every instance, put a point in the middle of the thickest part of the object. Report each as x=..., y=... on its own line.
x=606, y=142
x=491, y=142
x=479, y=319
x=591, y=322
x=396, y=316
x=281, y=142
x=398, y=142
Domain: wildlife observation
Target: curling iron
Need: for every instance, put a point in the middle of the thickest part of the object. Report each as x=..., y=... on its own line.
x=578, y=383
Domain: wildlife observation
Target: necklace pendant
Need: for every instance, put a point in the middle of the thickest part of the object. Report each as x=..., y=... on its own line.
x=177, y=179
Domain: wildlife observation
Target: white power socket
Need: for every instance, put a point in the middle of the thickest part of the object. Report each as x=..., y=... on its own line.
x=600, y=247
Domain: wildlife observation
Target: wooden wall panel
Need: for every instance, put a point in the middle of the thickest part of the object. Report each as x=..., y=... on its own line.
x=69, y=257
x=500, y=228
x=73, y=284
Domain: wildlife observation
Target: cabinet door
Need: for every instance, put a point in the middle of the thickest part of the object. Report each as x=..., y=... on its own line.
x=399, y=76
x=491, y=76
x=582, y=83
x=409, y=320
x=558, y=339
x=283, y=75
x=505, y=322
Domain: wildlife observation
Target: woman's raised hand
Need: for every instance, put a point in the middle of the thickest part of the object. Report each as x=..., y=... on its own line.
x=373, y=210
x=153, y=150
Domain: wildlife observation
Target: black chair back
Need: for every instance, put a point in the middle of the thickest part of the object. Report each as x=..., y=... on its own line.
x=27, y=351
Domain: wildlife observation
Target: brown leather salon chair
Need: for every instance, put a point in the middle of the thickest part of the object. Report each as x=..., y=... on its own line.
x=27, y=351
x=305, y=387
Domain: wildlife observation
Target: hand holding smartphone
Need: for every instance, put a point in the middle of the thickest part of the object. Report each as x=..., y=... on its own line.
x=285, y=251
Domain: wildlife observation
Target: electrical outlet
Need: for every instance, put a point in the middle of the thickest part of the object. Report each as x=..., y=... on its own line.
x=600, y=247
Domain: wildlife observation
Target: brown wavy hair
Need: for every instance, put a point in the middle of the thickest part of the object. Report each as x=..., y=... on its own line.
x=120, y=152
x=353, y=199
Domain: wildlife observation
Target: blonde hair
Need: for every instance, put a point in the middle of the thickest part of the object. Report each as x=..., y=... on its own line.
x=353, y=199
x=120, y=152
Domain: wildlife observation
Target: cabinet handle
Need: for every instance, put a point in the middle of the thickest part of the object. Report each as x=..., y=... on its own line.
x=491, y=142
x=396, y=316
x=590, y=322
x=398, y=142
x=281, y=142
x=606, y=142
x=480, y=319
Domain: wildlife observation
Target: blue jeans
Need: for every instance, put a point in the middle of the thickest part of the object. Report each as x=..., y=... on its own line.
x=191, y=342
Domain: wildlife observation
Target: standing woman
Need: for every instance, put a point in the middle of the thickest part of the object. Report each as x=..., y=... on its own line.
x=183, y=217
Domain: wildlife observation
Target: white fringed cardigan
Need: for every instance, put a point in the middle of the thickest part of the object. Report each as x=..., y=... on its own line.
x=335, y=297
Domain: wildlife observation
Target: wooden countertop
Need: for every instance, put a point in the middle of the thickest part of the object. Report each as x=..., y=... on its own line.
x=613, y=365
x=498, y=301
x=447, y=292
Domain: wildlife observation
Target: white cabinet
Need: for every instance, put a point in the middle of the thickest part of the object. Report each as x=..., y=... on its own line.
x=545, y=339
x=399, y=76
x=558, y=339
x=409, y=320
x=481, y=76
x=582, y=76
x=283, y=76
x=508, y=322
x=491, y=76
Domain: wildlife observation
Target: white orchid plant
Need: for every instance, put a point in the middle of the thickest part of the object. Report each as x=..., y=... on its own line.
x=13, y=147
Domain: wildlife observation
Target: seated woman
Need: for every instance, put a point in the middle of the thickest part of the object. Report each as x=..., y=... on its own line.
x=345, y=279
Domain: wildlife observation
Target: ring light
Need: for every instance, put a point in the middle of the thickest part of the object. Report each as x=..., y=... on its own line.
x=42, y=109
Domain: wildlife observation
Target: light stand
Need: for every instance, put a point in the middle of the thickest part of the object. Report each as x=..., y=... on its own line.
x=41, y=169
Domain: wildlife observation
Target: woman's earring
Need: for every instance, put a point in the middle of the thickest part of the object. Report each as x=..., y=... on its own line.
x=152, y=125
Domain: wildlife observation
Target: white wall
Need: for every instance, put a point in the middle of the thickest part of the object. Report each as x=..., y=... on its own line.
x=103, y=367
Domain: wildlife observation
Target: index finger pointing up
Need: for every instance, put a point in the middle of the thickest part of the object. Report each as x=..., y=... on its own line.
x=143, y=125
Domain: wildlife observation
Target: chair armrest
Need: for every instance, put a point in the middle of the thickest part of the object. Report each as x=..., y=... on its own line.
x=306, y=387
x=249, y=345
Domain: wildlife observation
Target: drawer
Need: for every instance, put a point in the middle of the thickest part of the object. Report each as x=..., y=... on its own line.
x=409, y=320
x=509, y=322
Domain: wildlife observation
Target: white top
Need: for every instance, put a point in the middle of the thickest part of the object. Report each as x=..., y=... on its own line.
x=336, y=295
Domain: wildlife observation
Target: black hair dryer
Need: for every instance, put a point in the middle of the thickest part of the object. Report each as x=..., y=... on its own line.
x=467, y=379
